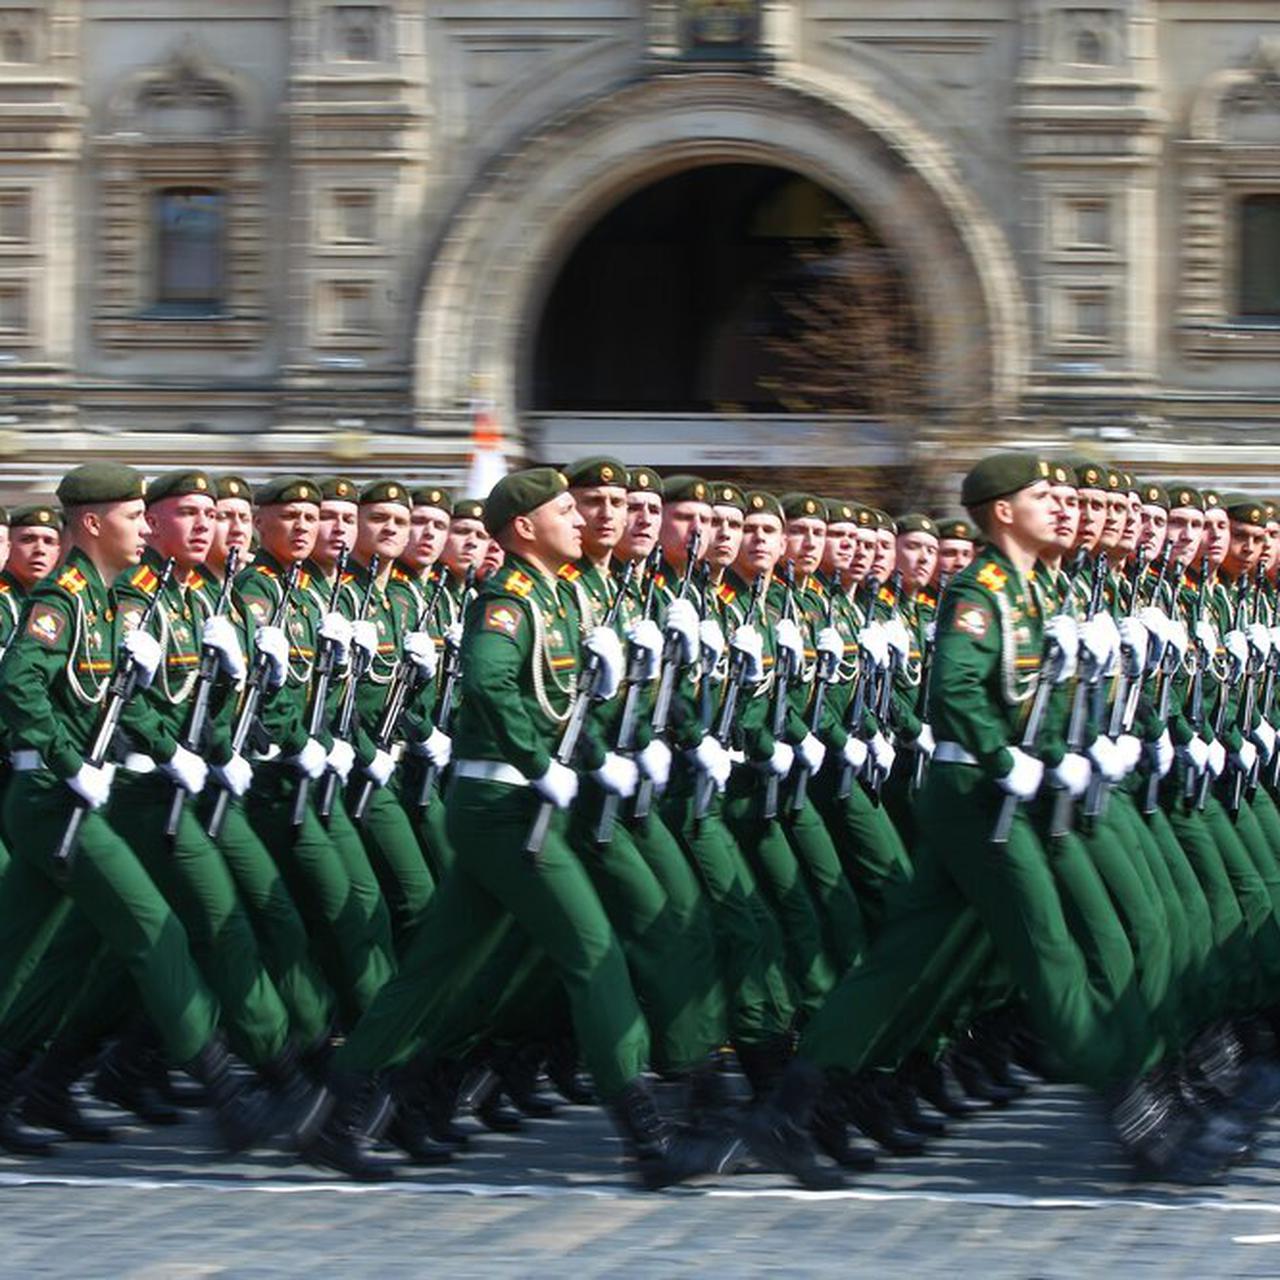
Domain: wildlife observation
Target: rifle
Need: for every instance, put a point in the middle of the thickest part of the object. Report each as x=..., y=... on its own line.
x=207, y=674
x=926, y=681
x=667, y=679
x=253, y=691
x=326, y=660
x=1246, y=707
x=587, y=692
x=887, y=678
x=1267, y=670
x=858, y=703
x=1219, y=724
x=1164, y=673
x=781, y=684
x=1199, y=658
x=123, y=684
x=448, y=693
x=822, y=677
x=706, y=786
x=403, y=686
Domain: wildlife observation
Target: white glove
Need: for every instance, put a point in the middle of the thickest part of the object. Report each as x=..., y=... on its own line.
x=188, y=770
x=1275, y=637
x=340, y=759
x=748, y=642
x=882, y=753
x=1107, y=757
x=783, y=758
x=310, y=761
x=453, y=635
x=1246, y=757
x=1198, y=754
x=559, y=785
x=236, y=775
x=655, y=763
x=812, y=751
x=618, y=774
x=898, y=638
x=1217, y=758
x=381, y=767
x=646, y=639
x=438, y=748
x=1130, y=751
x=219, y=634
x=146, y=653
x=681, y=620
x=273, y=644
x=337, y=631
x=1158, y=627
x=93, y=784
x=1265, y=736
x=1236, y=644
x=787, y=640
x=1162, y=754
x=420, y=649
x=930, y=632
x=1023, y=780
x=1072, y=774
x=1176, y=638
x=925, y=740
x=711, y=640
x=364, y=636
x=1063, y=631
x=713, y=760
x=873, y=643
x=854, y=752
x=1099, y=639
x=1207, y=634
x=603, y=642
x=1260, y=638
x=831, y=644
x=1133, y=638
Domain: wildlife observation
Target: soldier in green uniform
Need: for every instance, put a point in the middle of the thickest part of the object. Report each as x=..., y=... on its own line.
x=957, y=545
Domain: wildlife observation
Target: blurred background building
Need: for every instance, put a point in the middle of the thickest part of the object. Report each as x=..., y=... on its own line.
x=746, y=234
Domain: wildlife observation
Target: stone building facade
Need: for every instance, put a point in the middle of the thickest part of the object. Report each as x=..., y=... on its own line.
x=257, y=232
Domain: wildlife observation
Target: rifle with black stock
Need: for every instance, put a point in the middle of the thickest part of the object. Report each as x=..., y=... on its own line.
x=861, y=685
x=823, y=677
x=1245, y=716
x=120, y=689
x=781, y=688
x=448, y=691
x=921, y=765
x=210, y=660
x=253, y=690
x=1164, y=674
x=1219, y=726
x=884, y=707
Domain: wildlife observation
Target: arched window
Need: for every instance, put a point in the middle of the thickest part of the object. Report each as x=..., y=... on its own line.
x=1259, y=293
x=1089, y=51
x=189, y=227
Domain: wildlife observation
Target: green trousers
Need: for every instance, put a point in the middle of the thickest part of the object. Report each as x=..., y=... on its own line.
x=428, y=822
x=551, y=899
x=397, y=860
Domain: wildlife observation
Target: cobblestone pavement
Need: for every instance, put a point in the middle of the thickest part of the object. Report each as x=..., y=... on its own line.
x=1034, y=1192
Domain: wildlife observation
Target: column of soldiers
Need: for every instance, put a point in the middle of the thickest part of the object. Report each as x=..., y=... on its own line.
x=331, y=808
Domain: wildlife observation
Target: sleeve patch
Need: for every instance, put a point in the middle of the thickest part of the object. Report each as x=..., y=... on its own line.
x=972, y=620
x=502, y=617
x=259, y=610
x=130, y=616
x=45, y=624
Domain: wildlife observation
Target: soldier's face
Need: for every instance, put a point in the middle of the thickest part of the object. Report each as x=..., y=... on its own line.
x=762, y=541
x=604, y=515
x=1093, y=517
x=428, y=528
x=1155, y=529
x=886, y=554
x=953, y=555
x=33, y=552
x=465, y=545
x=337, y=532
x=288, y=530
x=383, y=531
x=1067, y=523
x=5, y=541
x=121, y=530
x=1033, y=515
x=492, y=559
x=1132, y=523
x=1246, y=547
x=679, y=519
x=556, y=531
x=864, y=554
x=726, y=536
x=1116, y=518
x=232, y=527
x=644, y=522
x=1273, y=547
x=837, y=551
x=183, y=528
x=1217, y=536
x=806, y=537
x=1185, y=532
x=917, y=553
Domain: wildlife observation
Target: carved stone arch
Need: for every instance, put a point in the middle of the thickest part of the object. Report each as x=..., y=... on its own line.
x=496, y=261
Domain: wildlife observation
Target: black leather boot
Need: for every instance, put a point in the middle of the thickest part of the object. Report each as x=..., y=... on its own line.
x=831, y=1131
x=870, y=1108
x=344, y=1143
x=482, y=1092
x=975, y=1081
x=301, y=1106
x=764, y=1064
x=519, y=1068
x=988, y=1045
x=48, y=1098
x=710, y=1106
x=126, y=1080
x=429, y=1090
x=906, y=1104
x=778, y=1130
x=16, y=1137
x=570, y=1081
x=410, y=1133
x=1157, y=1137
x=935, y=1082
x=243, y=1116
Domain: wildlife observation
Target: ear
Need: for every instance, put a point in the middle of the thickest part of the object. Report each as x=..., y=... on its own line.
x=91, y=522
x=522, y=527
x=1002, y=511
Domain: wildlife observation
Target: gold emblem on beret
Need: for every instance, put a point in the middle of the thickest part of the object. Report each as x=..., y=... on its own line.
x=1255, y=516
x=699, y=490
x=1044, y=469
x=643, y=479
x=343, y=488
x=393, y=491
x=43, y=517
x=727, y=494
x=757, y=502
x=1060, y=475
x=1210, y=499
x=1113, y=480
x=927, y=525
x=810, y=507
x=606, y=473
x=306, y=493
x=200, y=483
x=233, y=487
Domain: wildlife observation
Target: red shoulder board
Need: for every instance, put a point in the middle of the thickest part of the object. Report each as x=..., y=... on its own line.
x=348, y=577
x=661, y=580
x=930, y=602
x=145, y=578
x=399, y=575
x=5, y=588
x=71, y=579
x=268, y=572
x=304, y=579
x=518, y=583
x=725, y=593
x=814, y=583
x=569, y=572
x=886, y=596
x=195, y=580
x=993, y=577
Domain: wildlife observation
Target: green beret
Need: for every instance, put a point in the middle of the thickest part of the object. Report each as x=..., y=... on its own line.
x=1090, y=474
x=36, y=515
x=433, y=497
x=840, y=511
x=519, y=493
x=1002, y=474
x=1154, y=495
x=385, y=491
x=804, y=506
x=1245, y=510
x=761, y=503
x=593, y=473
x=957, y=530
x=726, y=494
x=1212, y=499
x=4, y=516
x=915, y=522
x=232, y=487
x=469, y=508
x=179, y=484
x=286, y=489
x=884, y=520
x=338, y=489
x=100, y=482
x=645, y=480
x=866, y=517
x=1061, y=472
x=686, y=489
x=1115, y=481
x=1183, y=495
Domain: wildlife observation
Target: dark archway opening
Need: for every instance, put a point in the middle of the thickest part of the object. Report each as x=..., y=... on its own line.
x=694, y=296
